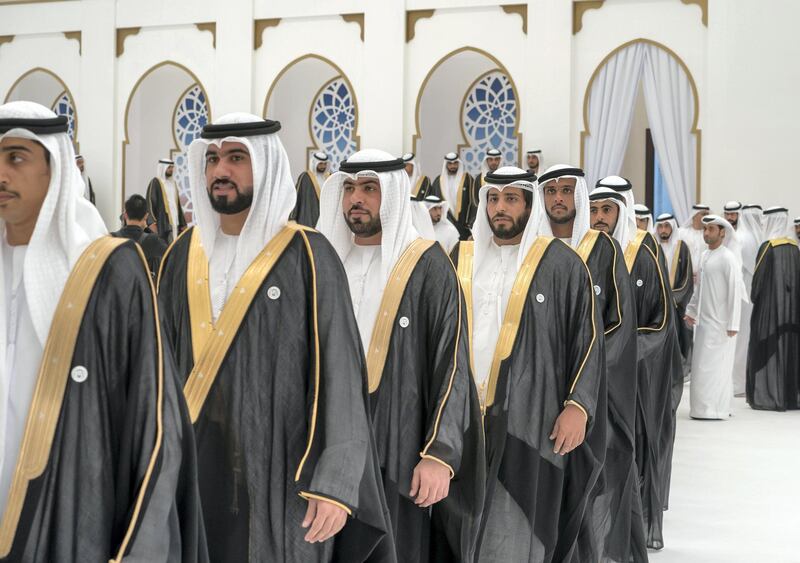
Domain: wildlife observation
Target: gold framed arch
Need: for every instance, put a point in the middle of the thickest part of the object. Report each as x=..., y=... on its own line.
x=341, y=74
x=498, y=67
x=126, y=141
x=694, y=130
x=58, y=79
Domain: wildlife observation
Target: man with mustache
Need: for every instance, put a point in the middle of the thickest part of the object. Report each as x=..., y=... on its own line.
x=96, y=452
x=538, y=365
x=413, y=324
x=454, y=186
x=644, y=217
x=257, y=309
x=612, y=528
x=681, y=279
x=659, y=373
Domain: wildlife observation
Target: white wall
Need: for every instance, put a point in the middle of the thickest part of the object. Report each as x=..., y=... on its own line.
x=440, y=108
x=753, y=111
x=743, y=64
x=290, y=103
x=149, y=125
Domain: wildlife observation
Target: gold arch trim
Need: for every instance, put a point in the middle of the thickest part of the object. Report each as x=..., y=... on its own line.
x=694, y=130
x=341, y=74
x=126, y=141
x=703, y=4
x=499, y=67
x=355, y=18
x=58, y=79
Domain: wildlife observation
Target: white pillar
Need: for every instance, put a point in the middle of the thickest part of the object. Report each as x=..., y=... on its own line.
x=232, y=90
x=381, y=101
x=95, y=101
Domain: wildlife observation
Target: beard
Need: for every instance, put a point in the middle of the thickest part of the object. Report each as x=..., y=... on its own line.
x=436, y=220
x=363, y=226
x=605, y=227
x=665, y=237
x=516, y=228
x=562, y=220
x=224, y=207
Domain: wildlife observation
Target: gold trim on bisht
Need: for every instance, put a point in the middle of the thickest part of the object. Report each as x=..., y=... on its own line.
x=201, y=318
x=587, y=244
x=392, y=295
x=51, y=383
x=205, y=370
x=513, y=315
x=466, y=265
x=633, y=249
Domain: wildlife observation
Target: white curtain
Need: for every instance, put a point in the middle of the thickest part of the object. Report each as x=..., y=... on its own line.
x=611, y=103
x=670, y=111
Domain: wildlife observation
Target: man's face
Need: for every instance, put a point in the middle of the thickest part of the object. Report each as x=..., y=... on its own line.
x=409, y=169
x=24, y=179
x=712, y=234
x=533, y=162
x=493, y=162
x=697, y=220
x=452, y=166
x=559, y=200
x=361, y=205
x=732, y=217
x=797, y=231
x=436, y=214
x=229, y=178
x=604, y=215
x=641, y=223
x=664, y=231
x=322, y=166
x=169, y=171
x=507, y=212
x=80, y=164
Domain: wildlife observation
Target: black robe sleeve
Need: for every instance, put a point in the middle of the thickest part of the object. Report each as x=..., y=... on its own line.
x=306, y=210
x=773, y=358
x=157, y=208
x=121, y=478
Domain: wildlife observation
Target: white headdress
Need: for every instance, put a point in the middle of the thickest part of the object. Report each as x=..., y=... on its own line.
x=643, y=212
x=313, y=160
x=396, y=215
x=625, y=230
x=451, y=184
x=491, y=153
x=502, y=178
x=274, y=193
x=776, y=223
x=671, y=245
x=750, y=234
x=624, y=188
x=581, y=224
x=67, y=222
x=696, y=208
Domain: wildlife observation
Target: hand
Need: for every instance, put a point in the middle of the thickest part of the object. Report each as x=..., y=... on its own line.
x=569, y=430
x=325, y=518
x=689, y=320
x=732, y=333
x=430, y=483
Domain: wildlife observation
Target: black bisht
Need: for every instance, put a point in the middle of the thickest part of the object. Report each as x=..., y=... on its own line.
x=660, y=383
x=773, y=356
x=253, y=430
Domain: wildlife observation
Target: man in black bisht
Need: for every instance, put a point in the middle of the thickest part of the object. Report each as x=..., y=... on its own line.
x=164, y=202
x=309, y=183
x=97, y=460
x=613, y=524
x=265, y=338
x=454, y=185
x=659, y=372
x=136, y=229
x=413, y=324
x=773, y=360
x=678, y=260
x=539, y=368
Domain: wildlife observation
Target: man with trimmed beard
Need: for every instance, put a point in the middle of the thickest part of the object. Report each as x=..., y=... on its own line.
x=681, y=280
x=612, y=527
x=413, y=325
x=258, y=312
x=538, y=365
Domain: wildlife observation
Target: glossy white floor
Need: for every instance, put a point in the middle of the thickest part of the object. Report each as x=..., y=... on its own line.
x=735, y=489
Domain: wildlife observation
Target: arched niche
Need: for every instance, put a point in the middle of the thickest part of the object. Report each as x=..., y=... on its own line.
x=45, y=87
